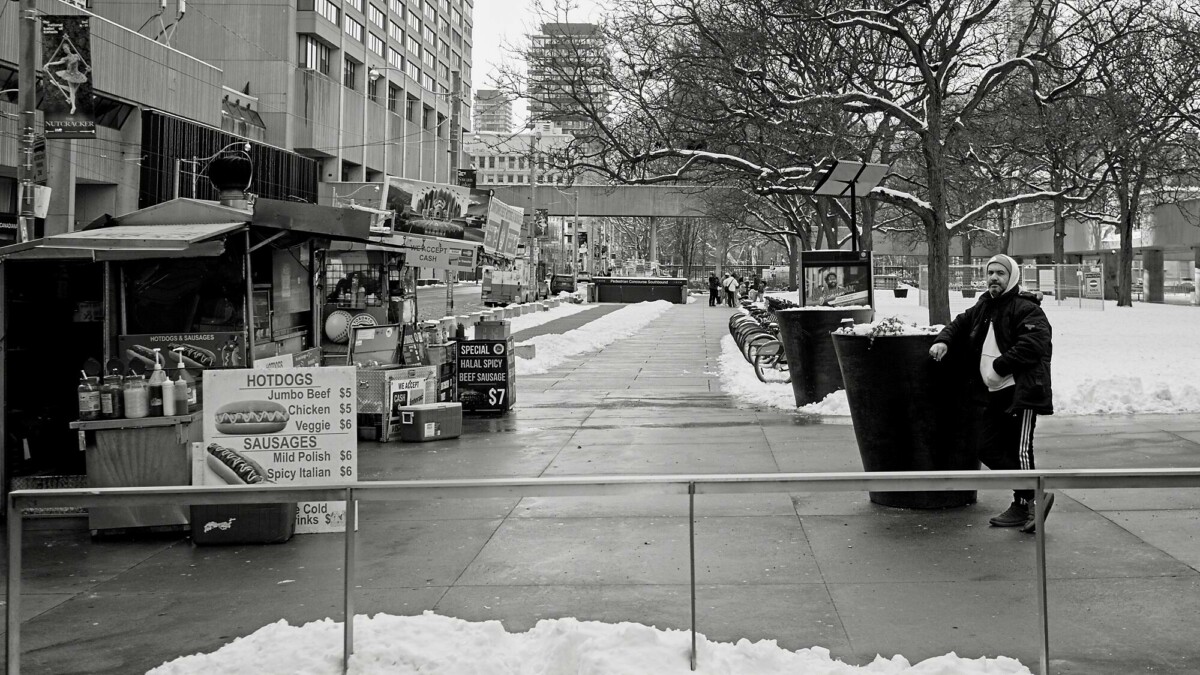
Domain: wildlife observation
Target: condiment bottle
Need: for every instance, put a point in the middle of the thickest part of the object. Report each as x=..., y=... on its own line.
x=191, y=387
x=180, y=391
x=88, y=393
x=156, y=388
x=111, y=395
x=137, y=397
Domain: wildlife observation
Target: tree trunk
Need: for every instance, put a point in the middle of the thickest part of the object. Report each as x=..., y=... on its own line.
x=1060, y=222
x=937, y=236
x=793, y=251
x=866, y=210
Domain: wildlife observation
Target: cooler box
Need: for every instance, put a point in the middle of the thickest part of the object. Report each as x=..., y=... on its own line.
x=430, y=422
x=215, y=524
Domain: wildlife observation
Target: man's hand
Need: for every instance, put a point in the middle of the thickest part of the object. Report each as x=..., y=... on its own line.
x=938, y=351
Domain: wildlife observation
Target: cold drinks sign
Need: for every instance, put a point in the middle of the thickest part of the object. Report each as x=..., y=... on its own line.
x=285, y=425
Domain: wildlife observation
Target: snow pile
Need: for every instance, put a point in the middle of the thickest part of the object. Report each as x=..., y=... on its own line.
x=738, y=380
x=535, y=319
x=552, y=350
x=1139, y=359
x=892, y=325
x=439, y=645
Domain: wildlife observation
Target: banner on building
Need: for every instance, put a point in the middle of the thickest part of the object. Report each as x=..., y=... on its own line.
x=503, y=231
x=67, y=102
x=432, y=210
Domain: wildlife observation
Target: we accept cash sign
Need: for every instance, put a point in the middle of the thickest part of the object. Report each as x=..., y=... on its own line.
x=285, y=425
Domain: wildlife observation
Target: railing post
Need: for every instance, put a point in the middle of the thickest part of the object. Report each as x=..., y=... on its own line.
x=13, y=611
x=348, y=586
x=692, y=561
x=1039, y=515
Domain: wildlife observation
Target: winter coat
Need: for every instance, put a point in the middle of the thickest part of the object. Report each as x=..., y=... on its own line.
x=1023, y=335
x=713, y=283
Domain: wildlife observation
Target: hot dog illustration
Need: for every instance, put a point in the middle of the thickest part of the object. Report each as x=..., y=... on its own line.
x=197, y=356
x=243, y=418
x=233, y=467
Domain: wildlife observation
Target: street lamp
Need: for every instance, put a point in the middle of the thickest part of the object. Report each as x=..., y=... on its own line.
x=534, y=137
x=195, y=163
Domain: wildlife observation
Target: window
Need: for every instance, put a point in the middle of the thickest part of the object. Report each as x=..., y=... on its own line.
x=376, y=16
x=456, y=39
x=491, y=162
x=314, y=54
x=444, y=5
x=373, y=90
x=395, y=60
x=413, y=46
x=426, y=117
x=349, y=73
x=393, y=96
x=397, y=7
x=430, y=11
x=445, y=26
x=356, y=4
x=395, y=32
x=412, y=70
x=354, y=29
x=428, y=34
x=443, y=48
x=429, y=60
x=328, y=10
x=375, y=44
x=456, y=17
x=410, y=110
x=427, y=81
x=443, y=71
x=414, y=21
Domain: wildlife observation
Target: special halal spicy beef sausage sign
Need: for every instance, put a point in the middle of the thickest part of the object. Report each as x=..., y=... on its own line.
x=284, y=425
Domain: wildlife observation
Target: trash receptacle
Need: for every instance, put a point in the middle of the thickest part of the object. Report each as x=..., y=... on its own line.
x=804, y=332
x=909, y=413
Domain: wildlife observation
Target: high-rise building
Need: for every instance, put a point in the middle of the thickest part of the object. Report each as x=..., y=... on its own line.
x=331, y=90
x=563, y=60
x=492, y=110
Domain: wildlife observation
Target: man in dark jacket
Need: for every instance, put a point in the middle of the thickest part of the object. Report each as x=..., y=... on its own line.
x=1007, y=340
x=714, y=290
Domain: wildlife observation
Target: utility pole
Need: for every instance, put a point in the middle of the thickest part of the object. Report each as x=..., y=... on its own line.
x=531, y=260
x=27, y=37
x=455, y=140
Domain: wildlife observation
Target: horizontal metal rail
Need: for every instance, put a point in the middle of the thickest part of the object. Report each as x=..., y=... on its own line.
x=576, y=486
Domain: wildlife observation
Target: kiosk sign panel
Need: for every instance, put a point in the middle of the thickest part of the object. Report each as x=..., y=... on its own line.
x=287, y=426
x=836, y=278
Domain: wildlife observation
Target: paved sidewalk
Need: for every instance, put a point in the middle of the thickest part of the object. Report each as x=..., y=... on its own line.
x=826, y=569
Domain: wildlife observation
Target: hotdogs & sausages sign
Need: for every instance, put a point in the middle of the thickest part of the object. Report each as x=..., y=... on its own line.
x=284, y=425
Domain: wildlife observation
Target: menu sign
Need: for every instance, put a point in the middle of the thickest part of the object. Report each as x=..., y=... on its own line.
x=287, y=425
x=484, y=375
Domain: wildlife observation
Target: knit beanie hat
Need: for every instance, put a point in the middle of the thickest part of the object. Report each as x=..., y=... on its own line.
x=1014, y=270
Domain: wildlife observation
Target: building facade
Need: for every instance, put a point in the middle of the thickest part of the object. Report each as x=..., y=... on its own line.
x=493, y=112
x=561, y=60
x=325, y=91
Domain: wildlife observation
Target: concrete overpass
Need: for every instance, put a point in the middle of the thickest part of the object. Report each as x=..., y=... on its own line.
x=661, y=201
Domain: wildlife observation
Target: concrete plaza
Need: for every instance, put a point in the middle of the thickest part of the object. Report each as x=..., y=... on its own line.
x=828, y=569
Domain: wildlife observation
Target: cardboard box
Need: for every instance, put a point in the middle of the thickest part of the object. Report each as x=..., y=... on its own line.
x=493, y=330
x=216, y=524
x=430, y=422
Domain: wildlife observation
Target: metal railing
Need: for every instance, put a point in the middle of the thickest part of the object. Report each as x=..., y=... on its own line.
x=582, y=486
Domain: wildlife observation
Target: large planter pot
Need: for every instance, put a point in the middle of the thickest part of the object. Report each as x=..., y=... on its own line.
x=908, y=414
x=900, y=292
x=812, y=362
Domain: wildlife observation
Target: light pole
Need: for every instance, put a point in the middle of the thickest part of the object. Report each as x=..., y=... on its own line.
x=534, y=136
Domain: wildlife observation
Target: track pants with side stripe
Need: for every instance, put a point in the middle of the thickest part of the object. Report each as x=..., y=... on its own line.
x=1005, y=439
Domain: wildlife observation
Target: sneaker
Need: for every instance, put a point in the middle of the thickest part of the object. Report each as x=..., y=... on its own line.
x=1030, y=525
x=1016, y=515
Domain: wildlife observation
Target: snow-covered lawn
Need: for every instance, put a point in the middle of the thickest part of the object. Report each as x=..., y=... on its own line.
x=1140, y=359
x=437, y=645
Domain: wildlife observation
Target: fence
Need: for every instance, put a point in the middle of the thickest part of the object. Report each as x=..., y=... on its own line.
x=689, y=485
x=1065, y=286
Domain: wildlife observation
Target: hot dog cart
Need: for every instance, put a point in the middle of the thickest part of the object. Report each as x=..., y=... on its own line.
x=173, y=273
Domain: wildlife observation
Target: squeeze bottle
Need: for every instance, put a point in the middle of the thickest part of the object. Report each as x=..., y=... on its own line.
x=191, y=390
x=156, y=388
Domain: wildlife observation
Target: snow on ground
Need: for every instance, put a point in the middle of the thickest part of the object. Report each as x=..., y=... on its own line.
x=439, y=645
x=551, y=350
x=1140, y=359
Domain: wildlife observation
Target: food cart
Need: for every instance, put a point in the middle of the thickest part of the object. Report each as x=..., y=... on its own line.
x=207, y=284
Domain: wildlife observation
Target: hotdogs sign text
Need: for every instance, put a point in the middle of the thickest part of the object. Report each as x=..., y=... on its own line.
x=288, y=425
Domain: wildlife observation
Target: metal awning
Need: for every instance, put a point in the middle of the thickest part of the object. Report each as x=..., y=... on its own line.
x=124, y=242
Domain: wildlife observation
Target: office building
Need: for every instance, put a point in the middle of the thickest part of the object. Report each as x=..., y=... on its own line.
x=563, y=58
x=493, y=112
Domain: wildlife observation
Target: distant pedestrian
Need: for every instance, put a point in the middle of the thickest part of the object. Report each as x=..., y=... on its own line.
x=730, y=285
x=714, y=290
x=1006, y=340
